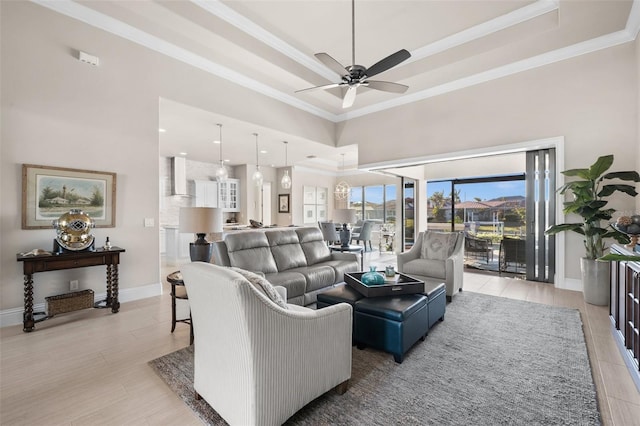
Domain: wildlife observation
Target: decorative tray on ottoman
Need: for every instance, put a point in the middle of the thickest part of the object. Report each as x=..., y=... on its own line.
x=393, y=286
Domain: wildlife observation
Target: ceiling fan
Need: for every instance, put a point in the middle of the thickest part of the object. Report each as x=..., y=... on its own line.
x=355, y=76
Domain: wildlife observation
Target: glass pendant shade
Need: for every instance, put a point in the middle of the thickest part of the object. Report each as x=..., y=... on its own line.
x=342, y=189
x=286, y=179
x=222, y=174
x=257, y=177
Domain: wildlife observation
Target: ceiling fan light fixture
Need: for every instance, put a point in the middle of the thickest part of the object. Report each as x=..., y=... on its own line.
x=286, y=179
x=222, y=174
x=356, y=75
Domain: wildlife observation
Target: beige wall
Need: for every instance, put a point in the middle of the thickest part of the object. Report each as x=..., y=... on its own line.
x=591, y=100
x=58, y=111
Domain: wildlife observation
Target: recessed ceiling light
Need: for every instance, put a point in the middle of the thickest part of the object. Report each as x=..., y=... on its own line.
x=226, y=160
x=311, y=156
x=263, y=151
x=216, y=142
x=161, y=130
x=183, y=153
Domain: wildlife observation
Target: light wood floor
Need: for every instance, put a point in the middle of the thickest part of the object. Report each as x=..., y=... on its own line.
x=90, y=367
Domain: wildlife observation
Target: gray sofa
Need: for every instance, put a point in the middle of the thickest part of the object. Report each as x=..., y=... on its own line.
x=297, y=259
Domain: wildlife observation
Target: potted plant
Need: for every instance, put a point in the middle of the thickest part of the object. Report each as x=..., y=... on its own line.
x=589, y=202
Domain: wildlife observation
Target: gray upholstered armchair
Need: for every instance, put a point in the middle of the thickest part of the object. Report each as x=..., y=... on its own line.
x=258, y=360
x=436, y=256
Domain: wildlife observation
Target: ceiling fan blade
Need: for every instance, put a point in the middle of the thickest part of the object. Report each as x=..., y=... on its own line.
x=349, y=97
x=325, y=86
x=332, y=64
x=388, y=62
x=386, y=86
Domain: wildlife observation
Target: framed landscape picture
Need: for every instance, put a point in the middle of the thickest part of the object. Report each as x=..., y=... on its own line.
x=48, y=192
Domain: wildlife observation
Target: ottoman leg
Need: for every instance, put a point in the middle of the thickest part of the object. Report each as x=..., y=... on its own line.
x=398, y=358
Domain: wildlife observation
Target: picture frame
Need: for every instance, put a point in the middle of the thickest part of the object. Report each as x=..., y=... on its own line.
x=309, y=195
x=48, y=192
x=283, y=203
x=309, y=213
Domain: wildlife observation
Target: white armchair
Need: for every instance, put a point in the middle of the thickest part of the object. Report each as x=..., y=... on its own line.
x=436, y=256
x=257, y=362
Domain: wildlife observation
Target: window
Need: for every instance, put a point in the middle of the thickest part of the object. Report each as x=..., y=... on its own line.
x=376, y=202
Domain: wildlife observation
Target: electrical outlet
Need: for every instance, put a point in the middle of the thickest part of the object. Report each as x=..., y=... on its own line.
x=73, y=285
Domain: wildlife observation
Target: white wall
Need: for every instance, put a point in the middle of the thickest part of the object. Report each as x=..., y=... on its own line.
x=591, y=100
x=58, y=111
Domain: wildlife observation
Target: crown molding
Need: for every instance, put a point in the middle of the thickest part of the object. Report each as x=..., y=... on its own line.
x=99, y=20
x=84, y=14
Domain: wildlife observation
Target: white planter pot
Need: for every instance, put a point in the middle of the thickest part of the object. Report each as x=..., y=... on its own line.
x=595, y=281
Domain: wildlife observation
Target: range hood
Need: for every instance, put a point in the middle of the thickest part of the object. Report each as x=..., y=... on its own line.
x=178, y=176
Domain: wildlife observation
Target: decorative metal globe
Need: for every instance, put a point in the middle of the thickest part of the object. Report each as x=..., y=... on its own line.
x=73, y=230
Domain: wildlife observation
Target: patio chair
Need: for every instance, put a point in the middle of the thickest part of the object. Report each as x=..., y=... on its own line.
x=512, y=251
x=478, y=247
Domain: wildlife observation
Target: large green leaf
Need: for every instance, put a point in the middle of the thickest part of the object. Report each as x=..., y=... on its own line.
x=610, y=189
x=629, y=175
x=554, y=229
x=620, y=257
x=583, y=173
x=601, y=165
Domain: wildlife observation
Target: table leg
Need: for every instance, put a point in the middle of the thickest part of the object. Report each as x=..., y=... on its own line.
x=173, y=307
x=362, y=260
x=27, y=317
x=115, y=303
x=108, y=300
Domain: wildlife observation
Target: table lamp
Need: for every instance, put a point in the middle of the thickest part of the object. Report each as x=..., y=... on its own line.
x=344, y=216
x=200, y=221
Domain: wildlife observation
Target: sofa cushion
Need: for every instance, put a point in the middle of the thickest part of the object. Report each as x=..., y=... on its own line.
x=250, y=251
x=313, y=246
x=438, y=245
x=262, y=285
x=342, y=266
x=294, y=282
x=425, y=267
x=286, y=249
x=318, y=276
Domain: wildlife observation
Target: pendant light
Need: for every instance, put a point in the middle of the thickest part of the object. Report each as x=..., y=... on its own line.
x=286, y=180
x=342, y=188
x=257, y=175
x=222, y=174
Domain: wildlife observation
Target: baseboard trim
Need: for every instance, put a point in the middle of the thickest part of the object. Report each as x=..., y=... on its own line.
x=570, y=284
x=13, y=316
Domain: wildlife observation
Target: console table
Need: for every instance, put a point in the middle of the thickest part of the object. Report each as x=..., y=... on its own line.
x=624, y=309
x=69, y=260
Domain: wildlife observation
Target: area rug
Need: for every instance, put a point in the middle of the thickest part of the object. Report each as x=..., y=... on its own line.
x=492, y=361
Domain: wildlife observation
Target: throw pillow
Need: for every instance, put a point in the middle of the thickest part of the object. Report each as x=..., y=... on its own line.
x=438, y=245
x=262, y=285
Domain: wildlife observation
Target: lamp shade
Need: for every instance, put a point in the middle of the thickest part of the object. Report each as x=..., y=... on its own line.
x=344, y=215
x=200, y=220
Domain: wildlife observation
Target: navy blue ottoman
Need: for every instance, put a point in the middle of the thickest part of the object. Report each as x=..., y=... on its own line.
x=339, y=293
x=436, y=301
x=391, y=324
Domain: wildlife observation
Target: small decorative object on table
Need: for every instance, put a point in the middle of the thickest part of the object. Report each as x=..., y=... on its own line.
x=390, y=271
x=372, y=277
x=107, y=244
x=630, y=226
x=73, y=232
